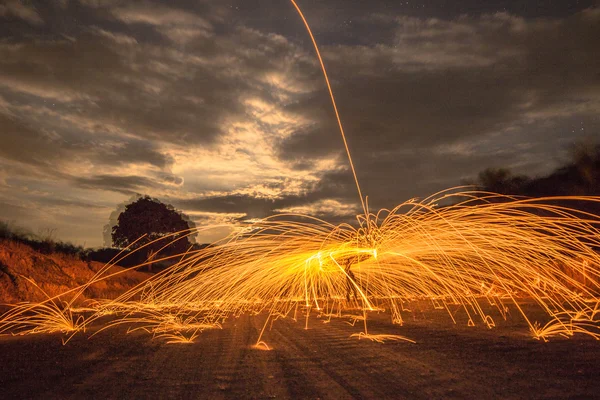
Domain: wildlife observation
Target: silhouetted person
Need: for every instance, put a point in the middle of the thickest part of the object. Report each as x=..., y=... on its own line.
x=350, y=280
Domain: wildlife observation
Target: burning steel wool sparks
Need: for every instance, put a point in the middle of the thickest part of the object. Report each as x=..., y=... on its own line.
x=480, y=250
x=484, y=250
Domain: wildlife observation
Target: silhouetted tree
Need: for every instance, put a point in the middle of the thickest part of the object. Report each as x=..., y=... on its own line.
x=149, y=217
x=586, y=161
x=580, y=176
x=501, y=180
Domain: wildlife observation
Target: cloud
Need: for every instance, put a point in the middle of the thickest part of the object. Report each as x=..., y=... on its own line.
x=133, y=151
x=151, y=90
x=23, y=144
x=328, y=194
x=118, y=38
x=178, y=25
x=157, y=15
x=442, y=83
x=224, y=112
x=249, y=206
x=22, y=11
x=124, y=184
x=325, y=208
x=133, y=146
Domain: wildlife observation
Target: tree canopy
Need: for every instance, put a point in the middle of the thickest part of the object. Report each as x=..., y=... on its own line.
x=580, y=176
x=156, y=220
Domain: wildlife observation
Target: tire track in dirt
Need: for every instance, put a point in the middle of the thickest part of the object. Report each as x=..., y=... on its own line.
x=70, y=371
x=221, y=365
x=321, y=362
x=430, y=368
x=184, y=371
x=117, y=358
x=333, y=365
x=231, y=375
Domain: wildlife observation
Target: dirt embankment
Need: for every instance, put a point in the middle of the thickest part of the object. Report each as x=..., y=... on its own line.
x=55, y=274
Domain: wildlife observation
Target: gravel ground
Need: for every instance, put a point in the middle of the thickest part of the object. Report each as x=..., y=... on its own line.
x=448, y=361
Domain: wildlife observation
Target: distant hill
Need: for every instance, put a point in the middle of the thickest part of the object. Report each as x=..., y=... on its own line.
x=55, y=273
x=578, y=177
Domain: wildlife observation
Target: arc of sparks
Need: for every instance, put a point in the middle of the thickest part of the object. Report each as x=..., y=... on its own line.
x=335, y=109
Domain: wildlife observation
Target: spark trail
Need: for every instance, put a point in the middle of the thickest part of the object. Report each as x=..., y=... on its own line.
x=483, y=249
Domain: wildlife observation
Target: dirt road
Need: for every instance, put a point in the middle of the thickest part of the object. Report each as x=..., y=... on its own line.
x=447, y=361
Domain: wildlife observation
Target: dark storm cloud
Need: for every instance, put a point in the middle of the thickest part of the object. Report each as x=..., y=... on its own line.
x=16, y=214
x=450, y=81
x=128, y=185
x=179, y=98
x=67, y=203
x=134, y=151
x=148, y=87
x=253, y=207
x=170, y=179
x=443, y=83
x=21, y=143
x=48, y=153
x=15, y=9
x=333, y=185
x=133, y=89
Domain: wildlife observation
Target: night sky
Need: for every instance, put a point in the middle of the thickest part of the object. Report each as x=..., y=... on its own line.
x=220, y=109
